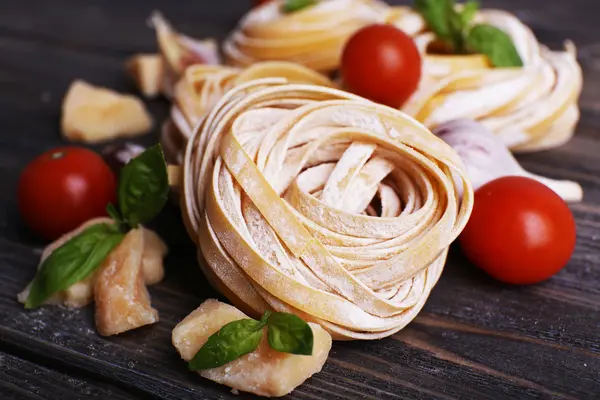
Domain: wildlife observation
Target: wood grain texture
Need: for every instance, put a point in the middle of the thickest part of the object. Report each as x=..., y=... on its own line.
x=475, y=339
x=23, y=379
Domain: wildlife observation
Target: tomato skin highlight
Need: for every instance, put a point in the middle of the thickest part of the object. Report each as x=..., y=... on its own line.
x=383, y=64
x=62, y=188
x=520, y=231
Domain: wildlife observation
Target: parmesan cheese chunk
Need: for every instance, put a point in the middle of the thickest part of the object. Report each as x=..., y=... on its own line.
x=147, y=70
x=122, y=300
x=93, y=114
x=265, y=372
x=81, y=293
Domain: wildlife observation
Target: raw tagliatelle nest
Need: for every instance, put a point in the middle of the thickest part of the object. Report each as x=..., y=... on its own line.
x=314, y=36
x=310, y=200
x=530, y=108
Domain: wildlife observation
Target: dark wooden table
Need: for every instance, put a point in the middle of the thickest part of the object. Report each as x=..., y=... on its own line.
x=475, y=339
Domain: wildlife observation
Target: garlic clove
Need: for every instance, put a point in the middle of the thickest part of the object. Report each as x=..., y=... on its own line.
x=569, y=191
x=486, y=158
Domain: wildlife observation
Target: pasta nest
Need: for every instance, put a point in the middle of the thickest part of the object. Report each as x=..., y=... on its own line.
x=310, y=200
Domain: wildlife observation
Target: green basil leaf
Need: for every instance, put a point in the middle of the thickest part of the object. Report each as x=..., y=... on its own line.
x=143, y=187
x=436, y=14
x=117, y=217
x=113, y=212
x=297, y=5
x=468, y=12
x=494, y=43
x=232, y=341
x=73, y=261
x=264, y=320
x=290, y=334
x=457, y=34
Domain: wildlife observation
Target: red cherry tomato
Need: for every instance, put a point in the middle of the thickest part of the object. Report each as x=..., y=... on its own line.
x=260, y=2
x=520, y=232
x=381, y=63
x=61, y=189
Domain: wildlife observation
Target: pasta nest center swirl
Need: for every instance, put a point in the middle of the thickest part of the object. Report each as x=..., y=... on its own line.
x=310, y=200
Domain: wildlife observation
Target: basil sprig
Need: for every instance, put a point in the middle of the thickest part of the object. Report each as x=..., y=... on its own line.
x=143, y=187
x=232, y=341
x=444, y=21
x=494, y=43
x=73, y=261
x=287, y=333
x=142, y=192
x=290, y=334
x=453, y=26
x=297, y=5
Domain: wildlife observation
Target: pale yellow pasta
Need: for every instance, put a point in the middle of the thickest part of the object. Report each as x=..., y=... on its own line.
x=314, y=36
x=202, y=86
x=310, y=200
x=529, y=108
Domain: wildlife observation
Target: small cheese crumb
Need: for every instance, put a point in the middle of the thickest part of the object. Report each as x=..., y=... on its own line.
x=93, y=114
x=147, y=70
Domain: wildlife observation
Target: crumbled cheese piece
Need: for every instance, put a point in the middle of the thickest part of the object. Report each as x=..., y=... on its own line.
x=93, y=114
x=265, y=372
x=147, y=70
x=122, y=300
x=81, y=293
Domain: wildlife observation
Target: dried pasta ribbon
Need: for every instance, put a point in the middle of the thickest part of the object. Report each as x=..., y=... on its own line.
x=530, y=108
x=202, y=86
x=314, y=36
x=311, y=200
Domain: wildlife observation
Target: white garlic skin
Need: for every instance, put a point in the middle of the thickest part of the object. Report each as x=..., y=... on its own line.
x=486, y=158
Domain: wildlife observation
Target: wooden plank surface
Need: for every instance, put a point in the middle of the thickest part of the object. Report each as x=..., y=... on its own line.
x=475, y=339
x=23, y=379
